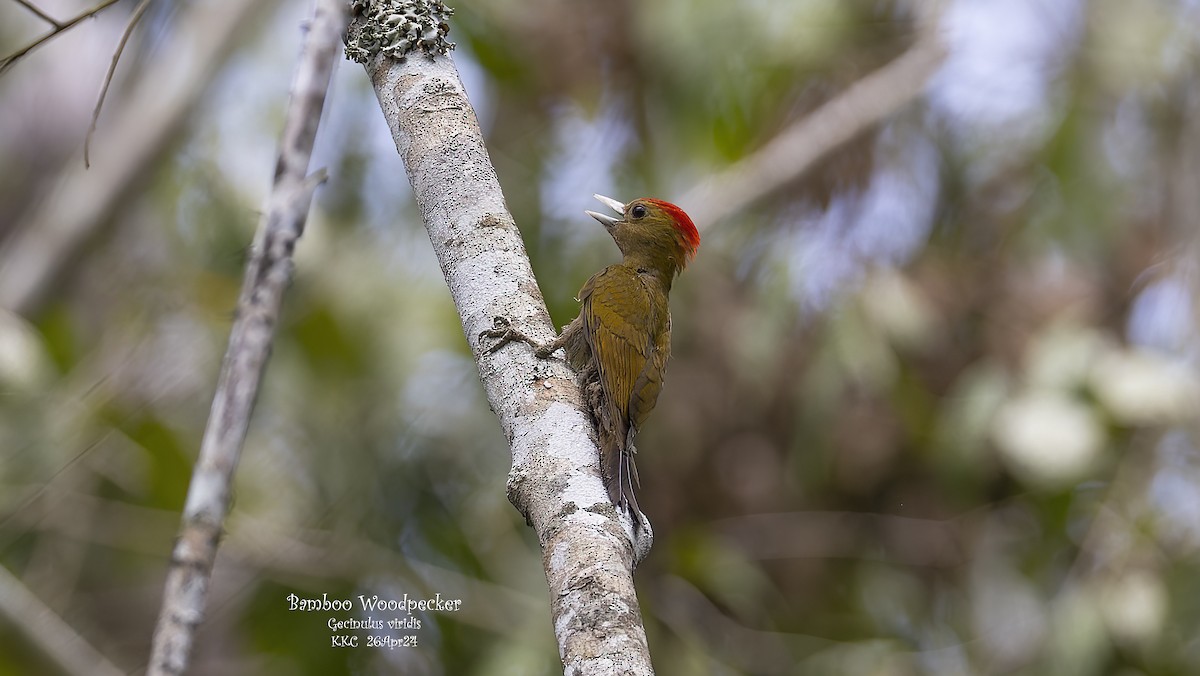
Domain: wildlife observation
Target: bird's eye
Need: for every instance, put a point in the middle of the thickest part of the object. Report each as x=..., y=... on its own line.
x=638, y=211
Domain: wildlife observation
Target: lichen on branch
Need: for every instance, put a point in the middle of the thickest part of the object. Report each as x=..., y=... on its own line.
x=397, y=28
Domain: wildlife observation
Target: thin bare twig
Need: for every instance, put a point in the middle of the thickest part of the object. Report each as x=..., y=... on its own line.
x=9, y=60
x=57, y=639
x=796, y=149
x=82, y=204
x=108, y=77
x=40, y=14
x=267, y=275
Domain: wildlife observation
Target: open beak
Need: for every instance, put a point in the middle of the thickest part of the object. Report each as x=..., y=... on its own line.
x=607, y=221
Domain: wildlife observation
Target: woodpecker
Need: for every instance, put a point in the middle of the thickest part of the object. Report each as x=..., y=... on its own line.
x=621, y=340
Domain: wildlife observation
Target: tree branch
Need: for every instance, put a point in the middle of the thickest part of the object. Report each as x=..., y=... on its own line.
x=555, y=476
x=45, y=629
x=84, y=201
x=796, y=149
x=108, y=77
x=267, y=275
x=40, y=14
x=9, y=60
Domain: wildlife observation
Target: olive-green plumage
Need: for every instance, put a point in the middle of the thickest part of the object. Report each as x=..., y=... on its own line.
x=621, y=340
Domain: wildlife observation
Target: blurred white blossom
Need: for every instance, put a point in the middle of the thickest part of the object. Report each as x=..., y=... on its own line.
x=1047, y=439
x=1139, y=387
x=24, y=362
x=1134, y=607
x=1061, y=357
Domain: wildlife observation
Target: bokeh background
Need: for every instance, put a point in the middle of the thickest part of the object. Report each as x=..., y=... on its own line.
x=932, y=407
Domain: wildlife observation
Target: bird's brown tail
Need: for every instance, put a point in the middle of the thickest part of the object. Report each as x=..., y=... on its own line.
x=620, y=472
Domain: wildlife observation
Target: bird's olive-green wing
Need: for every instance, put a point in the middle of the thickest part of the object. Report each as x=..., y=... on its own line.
x=650, y=381
x=617, y=321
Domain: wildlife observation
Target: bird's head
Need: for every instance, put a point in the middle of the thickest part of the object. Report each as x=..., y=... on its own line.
x=652, y=232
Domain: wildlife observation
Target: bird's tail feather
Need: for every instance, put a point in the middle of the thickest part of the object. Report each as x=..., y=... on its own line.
x=620, y=474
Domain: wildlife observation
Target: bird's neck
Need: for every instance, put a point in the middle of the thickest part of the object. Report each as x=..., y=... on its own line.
x=660, y=270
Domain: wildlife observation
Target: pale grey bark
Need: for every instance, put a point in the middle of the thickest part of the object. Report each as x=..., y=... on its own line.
x=555, y=477
x=267, y=275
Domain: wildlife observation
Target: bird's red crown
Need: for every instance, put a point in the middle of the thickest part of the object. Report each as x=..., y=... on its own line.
x=683, y=225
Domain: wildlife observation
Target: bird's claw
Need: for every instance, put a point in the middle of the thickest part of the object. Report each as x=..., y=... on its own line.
x=500, y=328
x=503, y=330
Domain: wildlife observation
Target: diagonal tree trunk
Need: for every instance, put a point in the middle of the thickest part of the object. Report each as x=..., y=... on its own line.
x=555, y=477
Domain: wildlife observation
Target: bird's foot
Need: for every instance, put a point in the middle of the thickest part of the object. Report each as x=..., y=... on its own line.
x=505, y=333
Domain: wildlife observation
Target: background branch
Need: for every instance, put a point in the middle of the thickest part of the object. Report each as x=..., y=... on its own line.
x=11, y=59
x=554, y=480
x=84, y=201
x=267, y=276
x=798, y=148
x=40, y=14
x=43, y=627
x=108, y=77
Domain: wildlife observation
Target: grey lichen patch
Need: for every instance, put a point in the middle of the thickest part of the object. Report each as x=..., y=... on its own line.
x=491, y=220
x=397, y=28
x=530, y=288
x=515, y=488
x=604, y=509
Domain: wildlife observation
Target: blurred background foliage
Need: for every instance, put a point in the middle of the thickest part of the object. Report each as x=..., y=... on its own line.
x=932, y=407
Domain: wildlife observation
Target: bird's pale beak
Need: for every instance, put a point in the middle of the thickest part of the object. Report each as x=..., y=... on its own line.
x=607, y=221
